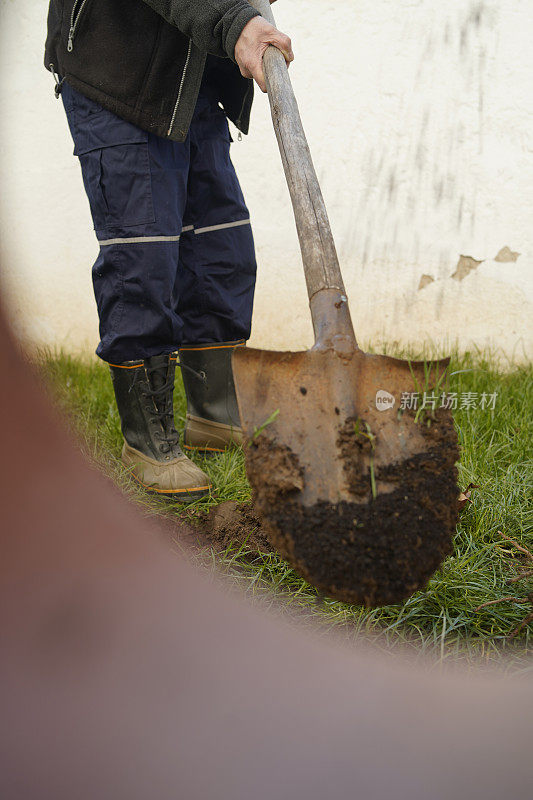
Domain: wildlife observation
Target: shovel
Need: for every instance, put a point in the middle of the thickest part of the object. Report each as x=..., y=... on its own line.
x=356, y=487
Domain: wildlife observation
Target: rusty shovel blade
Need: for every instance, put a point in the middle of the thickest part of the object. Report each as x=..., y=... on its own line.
x=356, y=490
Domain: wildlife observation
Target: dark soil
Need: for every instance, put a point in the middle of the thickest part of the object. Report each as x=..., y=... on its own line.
x=233, y=523
x=372, y=551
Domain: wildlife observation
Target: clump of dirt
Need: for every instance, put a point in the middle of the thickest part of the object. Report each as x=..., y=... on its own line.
x=354, y=431
x=372, y=551
x=234, y=523
x=275, y=469
x=354, y=443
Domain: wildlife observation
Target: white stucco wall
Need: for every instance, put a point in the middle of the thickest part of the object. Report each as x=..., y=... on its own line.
x=419, y=115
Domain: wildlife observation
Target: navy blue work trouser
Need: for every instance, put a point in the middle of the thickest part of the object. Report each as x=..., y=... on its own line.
x=176, y=262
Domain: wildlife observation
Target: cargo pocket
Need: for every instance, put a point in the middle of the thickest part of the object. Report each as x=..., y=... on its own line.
x=115, y=165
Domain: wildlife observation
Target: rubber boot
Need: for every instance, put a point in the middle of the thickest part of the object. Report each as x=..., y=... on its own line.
x=213, y=422
x=144, y=394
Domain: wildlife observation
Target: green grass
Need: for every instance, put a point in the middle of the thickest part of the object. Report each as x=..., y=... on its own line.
x=441, y=621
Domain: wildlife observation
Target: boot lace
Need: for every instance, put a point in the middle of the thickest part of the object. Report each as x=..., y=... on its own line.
x=162, y=411
x=163, y=406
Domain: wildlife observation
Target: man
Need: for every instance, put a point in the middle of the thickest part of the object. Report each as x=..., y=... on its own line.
x=147, y=86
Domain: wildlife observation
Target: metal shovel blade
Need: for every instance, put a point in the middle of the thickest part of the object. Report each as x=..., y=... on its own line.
x=356, y=492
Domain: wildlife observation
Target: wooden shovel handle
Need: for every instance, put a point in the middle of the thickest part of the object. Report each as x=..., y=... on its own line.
x=320, y=262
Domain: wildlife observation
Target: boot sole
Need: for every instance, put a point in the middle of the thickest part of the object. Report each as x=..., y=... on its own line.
x=181, y=495
x=208, y=451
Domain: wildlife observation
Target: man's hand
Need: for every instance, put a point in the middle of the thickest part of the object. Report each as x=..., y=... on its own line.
x=256, y=36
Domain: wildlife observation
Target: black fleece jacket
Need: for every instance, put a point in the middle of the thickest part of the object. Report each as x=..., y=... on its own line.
x=144, y=59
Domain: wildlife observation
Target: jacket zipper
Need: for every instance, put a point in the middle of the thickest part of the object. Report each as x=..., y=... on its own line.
x=180, y=90
x=74, y=19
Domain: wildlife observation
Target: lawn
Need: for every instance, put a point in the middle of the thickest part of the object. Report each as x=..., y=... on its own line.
x=494, y=419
